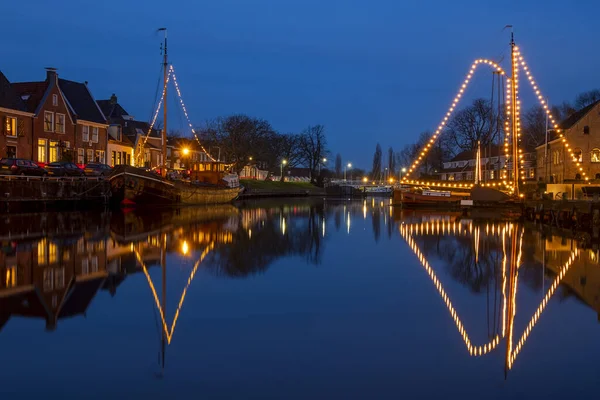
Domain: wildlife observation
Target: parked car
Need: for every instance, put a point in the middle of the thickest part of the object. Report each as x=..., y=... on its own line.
x=97, y=169
x=63, y=168
x=20, y=166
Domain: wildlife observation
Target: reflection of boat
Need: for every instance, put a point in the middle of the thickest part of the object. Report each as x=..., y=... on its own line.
x=429, y=198
x=132, y=186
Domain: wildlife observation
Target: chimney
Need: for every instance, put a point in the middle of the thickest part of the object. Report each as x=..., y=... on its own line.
x=113, y=99
x=50, y=73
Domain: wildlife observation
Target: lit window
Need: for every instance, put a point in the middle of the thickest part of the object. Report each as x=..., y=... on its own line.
x=595, y=155
x=42, y=150
x=66, y=257
x=85, y=133
x=577, y=155
x=95, y=134
x=41, y=252
x=55, y=100
x=100, y=156
x=532, y=172
x=90, y=155
x=10, y=126
x=11, y=277
x=80, y=156
x=80, y=246
x=48, y=121
x=54, y=151
x=60, y=123
x=52, y=253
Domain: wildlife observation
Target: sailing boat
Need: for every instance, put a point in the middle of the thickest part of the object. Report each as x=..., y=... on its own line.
x=136, y=187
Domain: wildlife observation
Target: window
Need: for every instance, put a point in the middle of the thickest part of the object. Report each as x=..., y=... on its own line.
x=85, y=266
x=52, y=253
x=119, y=158
x=48, y=121
x=80, y=156
x=85, y=133
x=59, y=278
x=54, y=153
x=55, y=100
x=11, y=277
x=67, y=145
x=100, y=156
x=10, y=126
x=492, y=174
x=128, y=159
x=11, y=151
x=95, y=134
x=60, y=123
x=577, y=155
x=532, y=173
x=113, y=158
x=595, y=156
x=94, y=264
x=42, y=150
x=41, y=252
x=90, y=156
x=48, y=279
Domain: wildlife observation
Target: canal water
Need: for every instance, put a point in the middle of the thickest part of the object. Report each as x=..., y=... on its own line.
x=294, y=299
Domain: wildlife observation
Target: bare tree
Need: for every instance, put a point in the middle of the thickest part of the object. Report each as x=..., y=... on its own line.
x=587, y=98
x=313, y=148
x=376, y=171
x=239, y=137
x=534, y=127
x=338, y=166
x=474, y=124
x=287, y=147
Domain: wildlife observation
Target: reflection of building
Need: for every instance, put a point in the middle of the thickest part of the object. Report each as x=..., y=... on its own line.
x=583, y=277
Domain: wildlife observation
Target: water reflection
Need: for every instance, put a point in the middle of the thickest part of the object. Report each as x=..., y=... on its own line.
x=52, y=265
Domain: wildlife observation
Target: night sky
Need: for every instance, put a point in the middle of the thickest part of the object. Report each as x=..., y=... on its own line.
x=370, y=71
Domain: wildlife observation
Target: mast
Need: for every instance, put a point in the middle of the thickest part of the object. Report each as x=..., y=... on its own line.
x=513, y=100
x=163, y=168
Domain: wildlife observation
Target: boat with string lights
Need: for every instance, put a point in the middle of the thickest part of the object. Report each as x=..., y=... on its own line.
x=138, y=187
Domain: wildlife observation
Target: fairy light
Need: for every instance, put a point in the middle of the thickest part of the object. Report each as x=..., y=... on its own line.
x=475, y=351
x=448, y=114
x=158, y=108
x=546, y=108
x=183, y=107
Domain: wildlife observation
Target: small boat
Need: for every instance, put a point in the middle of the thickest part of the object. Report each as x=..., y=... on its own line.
x=378, y=190
x=135, y=187
x=424, y=197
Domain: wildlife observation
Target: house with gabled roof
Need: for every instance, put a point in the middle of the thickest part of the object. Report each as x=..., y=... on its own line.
x=68, y=123
x=129, y=141
x=91, y=125
x=53, y=123
x=16, y=123
x=582, y=132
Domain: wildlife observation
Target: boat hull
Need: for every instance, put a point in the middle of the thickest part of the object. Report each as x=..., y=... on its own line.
x=133, y=187
x=412, y=199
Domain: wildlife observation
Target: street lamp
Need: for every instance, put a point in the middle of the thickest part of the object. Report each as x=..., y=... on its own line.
x=186, y=151
x=324, y=161
x=402, y=171
x=283, y=162
x=347, y=166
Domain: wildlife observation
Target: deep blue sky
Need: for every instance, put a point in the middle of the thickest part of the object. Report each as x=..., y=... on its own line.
x=369, y=70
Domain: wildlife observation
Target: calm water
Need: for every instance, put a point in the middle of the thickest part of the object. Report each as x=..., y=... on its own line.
x=294, y=299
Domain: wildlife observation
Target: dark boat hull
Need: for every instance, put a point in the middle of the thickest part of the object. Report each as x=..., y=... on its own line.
x=133, y=187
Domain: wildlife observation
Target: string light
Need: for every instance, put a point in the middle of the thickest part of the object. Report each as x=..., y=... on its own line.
x=162, y=96
x=553, y=121
x=455, y=102
x=186, y=114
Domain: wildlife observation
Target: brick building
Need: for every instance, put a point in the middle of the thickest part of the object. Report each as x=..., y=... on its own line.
x=16, y=123
x=582, y=131
x=67, y=123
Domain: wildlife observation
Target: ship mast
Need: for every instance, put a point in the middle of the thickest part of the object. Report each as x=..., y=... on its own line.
x=515, y=115
x=163, y=167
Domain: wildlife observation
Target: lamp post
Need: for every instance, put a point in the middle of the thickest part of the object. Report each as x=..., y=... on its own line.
x=324, y=161
x=283, y=162
x=402, y=171
x=347, y=167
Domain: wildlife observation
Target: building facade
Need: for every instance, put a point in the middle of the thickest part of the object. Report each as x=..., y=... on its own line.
x=494, y=166
x=16, y=123
x=582, y=131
